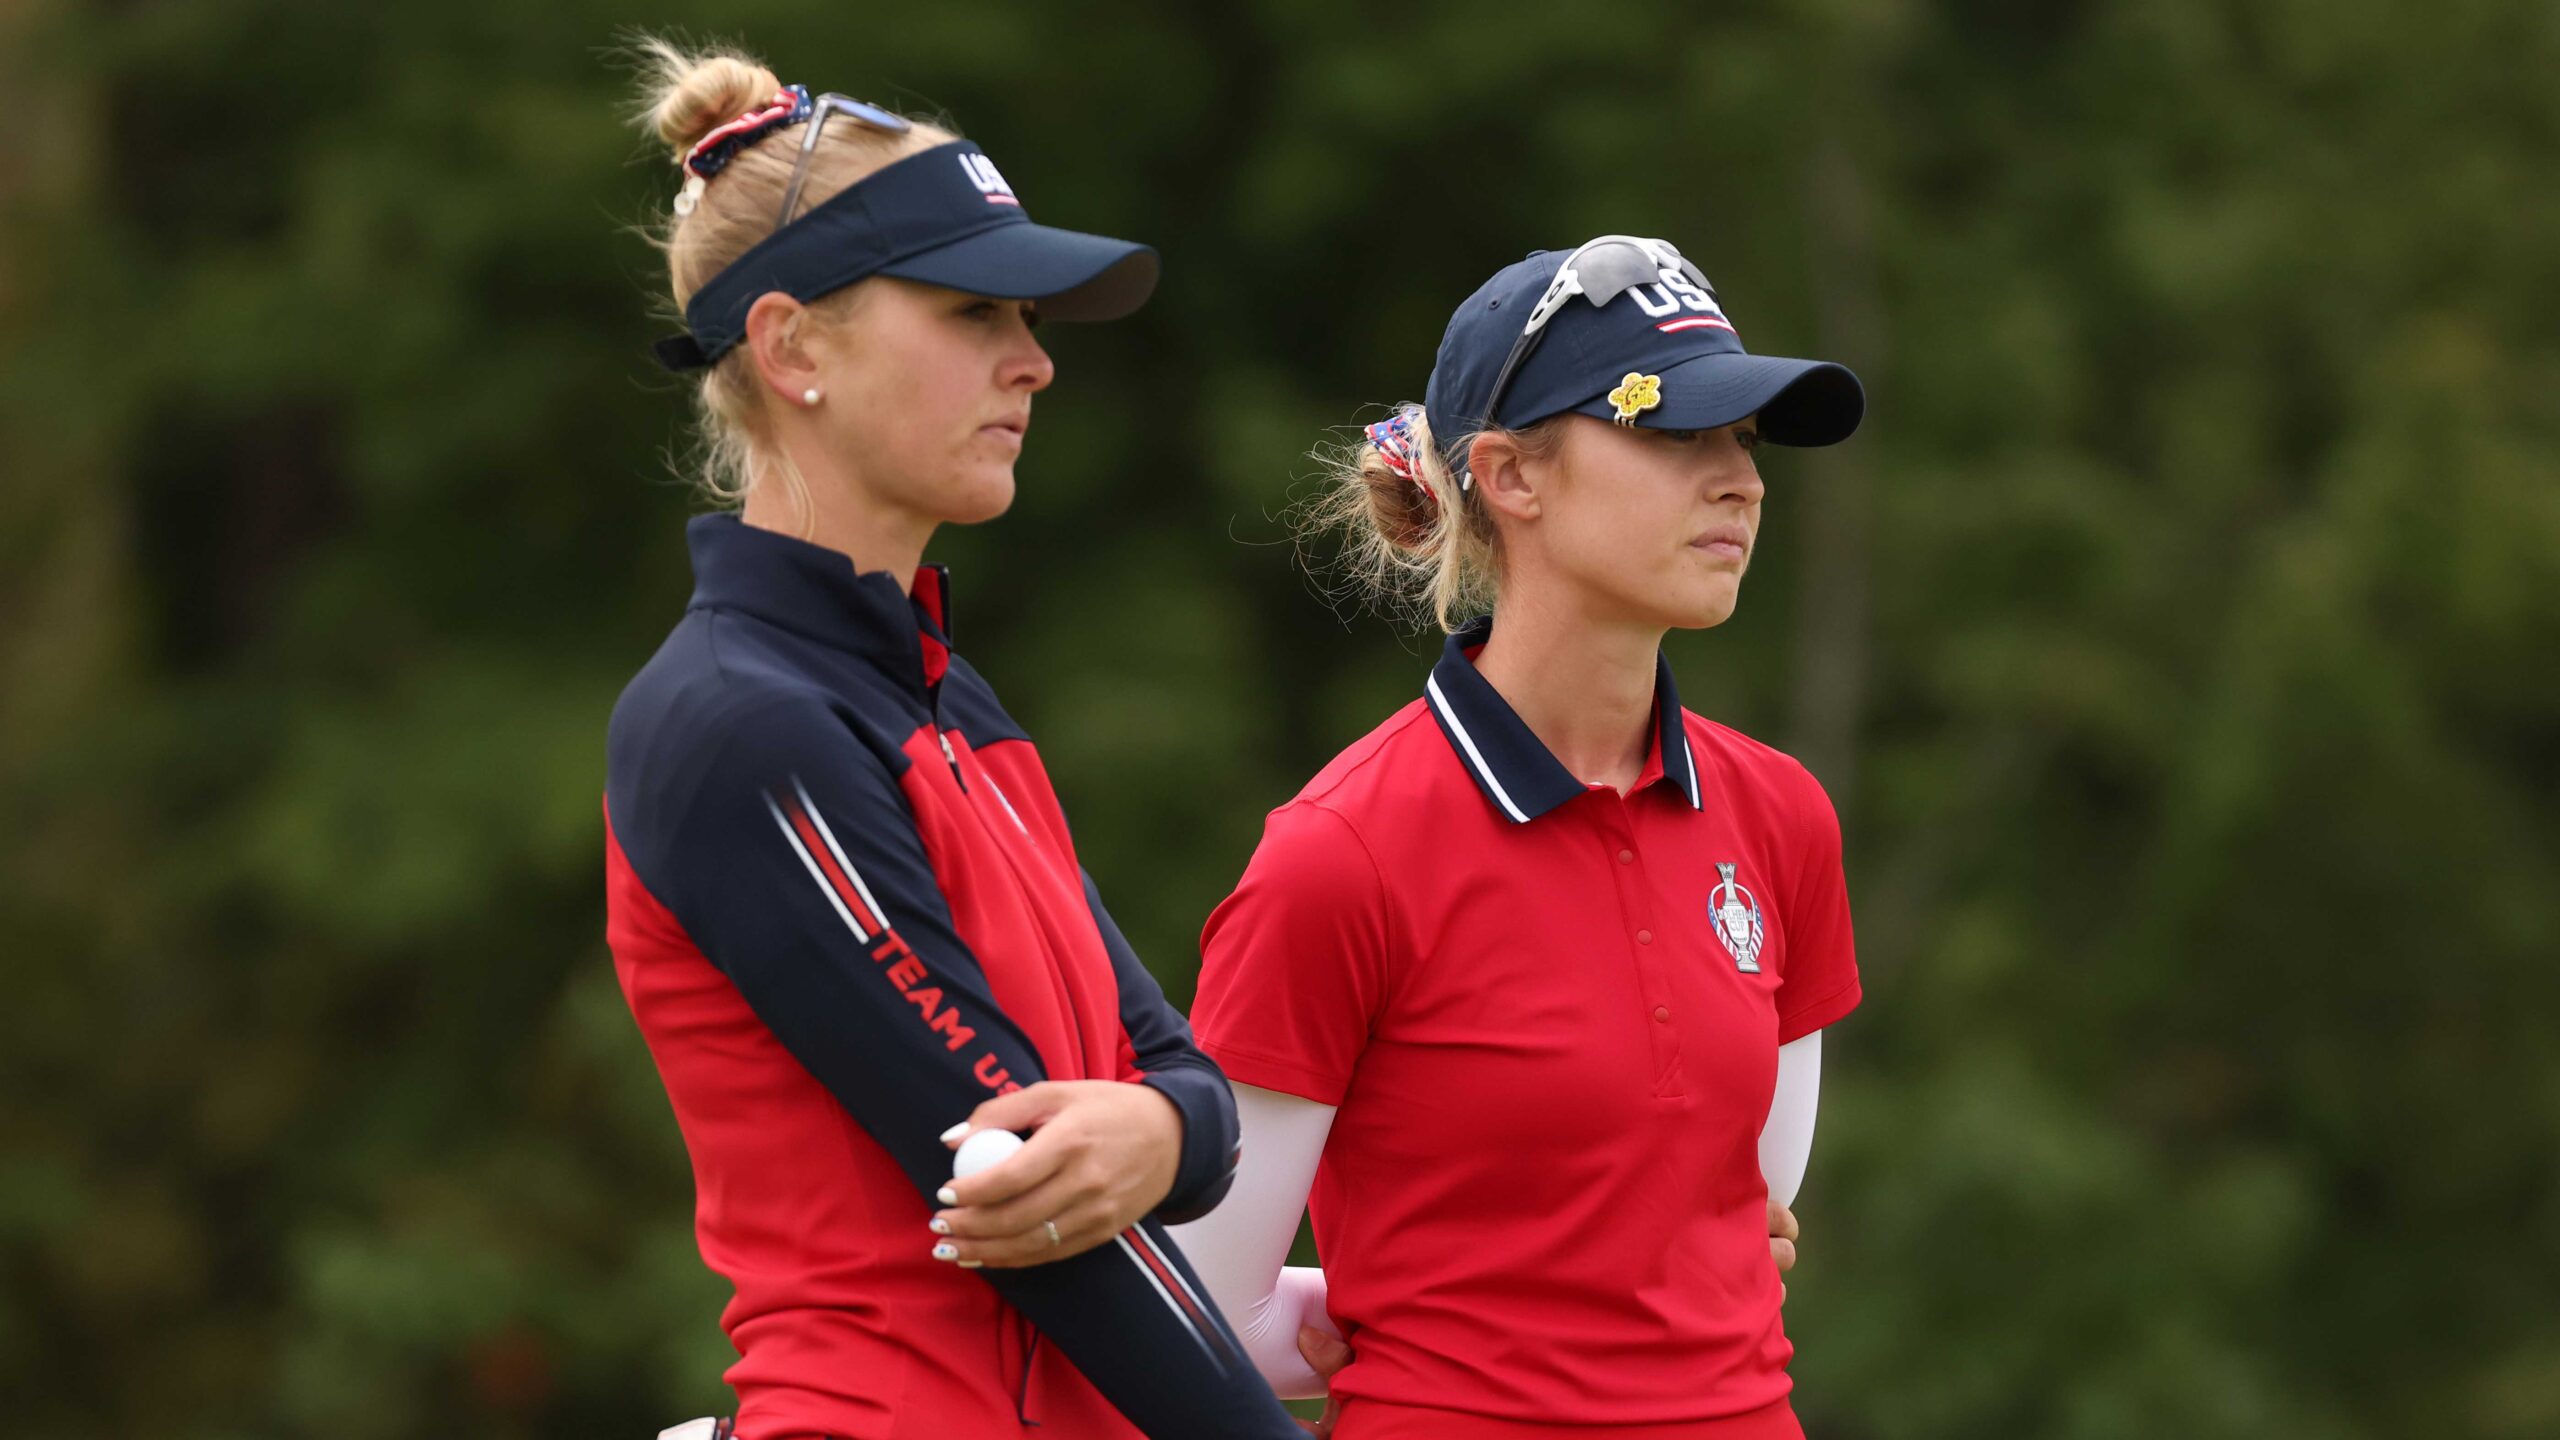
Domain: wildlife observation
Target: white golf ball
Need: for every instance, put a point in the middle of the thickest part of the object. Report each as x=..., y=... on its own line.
x=983, y=1149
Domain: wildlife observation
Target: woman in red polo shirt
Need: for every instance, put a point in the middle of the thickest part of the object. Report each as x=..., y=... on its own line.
x=1522, y=994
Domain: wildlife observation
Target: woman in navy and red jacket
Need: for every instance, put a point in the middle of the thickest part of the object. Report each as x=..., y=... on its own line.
x=842, y=899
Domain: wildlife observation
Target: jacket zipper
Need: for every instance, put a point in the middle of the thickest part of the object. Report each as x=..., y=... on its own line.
x=1022, y=1396
x=952, y=758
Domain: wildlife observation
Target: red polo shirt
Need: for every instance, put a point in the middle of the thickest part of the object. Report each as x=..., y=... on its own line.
x=1549, y=1015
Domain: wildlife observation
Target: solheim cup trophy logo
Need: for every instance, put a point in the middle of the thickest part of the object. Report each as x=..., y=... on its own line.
x=1737, y=921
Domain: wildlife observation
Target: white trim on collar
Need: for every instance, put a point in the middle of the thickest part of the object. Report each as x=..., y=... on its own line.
x=1475, y=758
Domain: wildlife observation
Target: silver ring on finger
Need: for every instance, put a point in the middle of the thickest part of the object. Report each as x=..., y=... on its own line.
x=1052, y=1227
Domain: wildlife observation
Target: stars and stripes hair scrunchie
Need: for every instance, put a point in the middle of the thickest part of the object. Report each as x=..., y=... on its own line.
x=712, y=153
x=1393, y=439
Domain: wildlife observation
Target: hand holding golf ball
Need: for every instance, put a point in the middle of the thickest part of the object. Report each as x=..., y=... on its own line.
x=982, y=1149
x=1101, y=1155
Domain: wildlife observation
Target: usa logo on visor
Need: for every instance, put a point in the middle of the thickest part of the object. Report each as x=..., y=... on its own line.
x=982, y=173
x=1673, y=294
x=1678, y=303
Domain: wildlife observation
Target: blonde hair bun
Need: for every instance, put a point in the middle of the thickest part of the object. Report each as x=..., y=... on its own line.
x=690, y=95
x=1412, y=546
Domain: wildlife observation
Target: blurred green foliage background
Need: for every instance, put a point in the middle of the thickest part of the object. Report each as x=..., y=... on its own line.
x=2179, y=641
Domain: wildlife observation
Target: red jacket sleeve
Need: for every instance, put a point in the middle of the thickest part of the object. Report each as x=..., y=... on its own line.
x=1164, y=1058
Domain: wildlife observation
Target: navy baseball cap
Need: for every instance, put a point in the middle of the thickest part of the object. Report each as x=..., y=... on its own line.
x=1635, y=335
x=944, y=216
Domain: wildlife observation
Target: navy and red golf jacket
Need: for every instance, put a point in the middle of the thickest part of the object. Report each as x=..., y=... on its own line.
x=843, y=903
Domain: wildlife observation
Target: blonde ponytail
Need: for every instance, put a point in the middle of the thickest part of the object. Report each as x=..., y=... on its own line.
x=1413, y=544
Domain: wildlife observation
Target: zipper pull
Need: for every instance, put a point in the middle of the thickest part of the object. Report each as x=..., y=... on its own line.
x=952, y=758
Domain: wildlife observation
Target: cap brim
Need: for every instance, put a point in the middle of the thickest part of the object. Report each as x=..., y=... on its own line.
x=1073, y=275
x=1799, y=402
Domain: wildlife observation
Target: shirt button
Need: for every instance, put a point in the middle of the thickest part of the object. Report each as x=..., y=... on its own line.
x=1626, y=857
x=1662, y=1014
x=1644, y=937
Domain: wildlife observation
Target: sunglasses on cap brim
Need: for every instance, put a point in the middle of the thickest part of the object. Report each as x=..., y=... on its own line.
x=819, y=109
x=1599, y=270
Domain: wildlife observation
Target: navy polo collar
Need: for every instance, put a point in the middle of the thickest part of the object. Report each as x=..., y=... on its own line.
x=1511, y=765
x=816, y=592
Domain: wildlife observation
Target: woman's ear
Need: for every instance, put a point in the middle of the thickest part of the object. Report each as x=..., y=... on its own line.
x=776, y=339
x=1500, y=471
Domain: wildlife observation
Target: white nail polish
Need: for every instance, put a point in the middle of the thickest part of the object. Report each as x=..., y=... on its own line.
x=956, y=1132
x=946, y=1251
x=938, y=1225
x=946, y=1195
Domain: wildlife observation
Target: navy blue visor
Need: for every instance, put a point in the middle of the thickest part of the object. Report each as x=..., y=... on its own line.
x=942, y=216
x=1622, y=328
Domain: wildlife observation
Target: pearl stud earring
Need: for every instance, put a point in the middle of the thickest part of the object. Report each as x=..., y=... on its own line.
x=809, y=396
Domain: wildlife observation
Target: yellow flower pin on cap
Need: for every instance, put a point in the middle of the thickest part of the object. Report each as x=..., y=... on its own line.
x=1635, y=395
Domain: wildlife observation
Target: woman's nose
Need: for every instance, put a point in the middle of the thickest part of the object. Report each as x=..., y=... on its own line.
x=1029, y=368
x=1737, y=478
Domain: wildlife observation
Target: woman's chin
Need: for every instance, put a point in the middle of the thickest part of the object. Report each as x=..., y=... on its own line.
x=984, y=497
x=1709, y=606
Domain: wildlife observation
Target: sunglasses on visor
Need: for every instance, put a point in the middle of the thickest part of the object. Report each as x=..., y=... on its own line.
x=819, y=109
x=1599, y=271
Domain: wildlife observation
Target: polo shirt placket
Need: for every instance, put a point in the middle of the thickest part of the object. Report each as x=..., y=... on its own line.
x=1523, y=778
